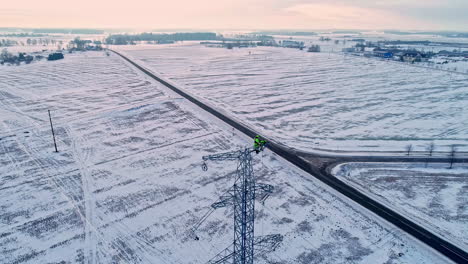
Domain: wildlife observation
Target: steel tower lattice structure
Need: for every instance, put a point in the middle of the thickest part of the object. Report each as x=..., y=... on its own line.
x=242, y=196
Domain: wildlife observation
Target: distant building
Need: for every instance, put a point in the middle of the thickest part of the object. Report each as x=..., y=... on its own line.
x=268, y=42
x=398, y=56
x=383, y=54
x=314, y=48
x=349, y=50
x=292, y=44
x=55, y=56
x=414, y=56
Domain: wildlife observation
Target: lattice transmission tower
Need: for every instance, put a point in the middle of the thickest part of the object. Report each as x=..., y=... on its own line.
x=241, y=196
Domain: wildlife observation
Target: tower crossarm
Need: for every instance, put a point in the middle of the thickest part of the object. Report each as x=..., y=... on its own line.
x=263, y=191
x=225, y=200
x=268, y=243
x=262, y=245
x=262, y=187
x=234, y=155
x=223, y=257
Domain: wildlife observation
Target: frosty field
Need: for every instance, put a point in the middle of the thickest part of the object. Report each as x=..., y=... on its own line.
x=433, y=196
x=321, y=100
x=126, y=185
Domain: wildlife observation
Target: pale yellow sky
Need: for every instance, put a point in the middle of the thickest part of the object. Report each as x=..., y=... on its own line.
x=241, y=14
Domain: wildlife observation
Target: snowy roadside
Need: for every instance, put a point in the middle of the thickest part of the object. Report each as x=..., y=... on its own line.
x=433, y=196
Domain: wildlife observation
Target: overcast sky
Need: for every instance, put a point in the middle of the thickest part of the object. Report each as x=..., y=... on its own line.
x=238, y=14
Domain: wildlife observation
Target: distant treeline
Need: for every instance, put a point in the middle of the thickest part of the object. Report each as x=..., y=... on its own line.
x=346, y=32
x=52, y=30
x=119, y=39
x=406, y=42
x=287, y=33
x=456, y=35
x=67, y=31
x=8, y=43
x=450, y=34
x=11, y=59
x=424, y=42
x=22, y=35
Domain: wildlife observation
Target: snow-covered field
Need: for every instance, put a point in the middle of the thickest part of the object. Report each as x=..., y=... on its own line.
x=126, y=185
x=321, y=100
x=456, y=64
x=29, y=49
x=434, y=196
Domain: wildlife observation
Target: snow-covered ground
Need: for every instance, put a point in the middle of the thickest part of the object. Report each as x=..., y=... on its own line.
x=126, y=185
x=321, y=100
x=29, y=49
x=455, y=64
x=434, y=196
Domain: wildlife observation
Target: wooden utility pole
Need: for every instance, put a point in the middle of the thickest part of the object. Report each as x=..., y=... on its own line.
x=53, y=134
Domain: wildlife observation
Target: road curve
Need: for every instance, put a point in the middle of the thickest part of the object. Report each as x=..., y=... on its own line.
x=319, y=166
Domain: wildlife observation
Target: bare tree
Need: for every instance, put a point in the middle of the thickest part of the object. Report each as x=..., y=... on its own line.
x=408, y=149
x=452, y=155
x=431, y=148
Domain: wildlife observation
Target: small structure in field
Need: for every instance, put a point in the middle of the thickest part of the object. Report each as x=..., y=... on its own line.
x=352, y=49
x=292, y=44
x=55, y=56
x=314, y=48
x=383, y=54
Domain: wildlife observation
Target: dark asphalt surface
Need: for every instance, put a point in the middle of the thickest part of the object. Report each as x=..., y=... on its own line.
x=319, y=166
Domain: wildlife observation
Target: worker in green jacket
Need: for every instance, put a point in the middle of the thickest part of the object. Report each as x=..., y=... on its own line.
x=259, y=144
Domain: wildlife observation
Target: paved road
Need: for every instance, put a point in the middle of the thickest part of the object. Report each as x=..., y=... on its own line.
x=319, y=164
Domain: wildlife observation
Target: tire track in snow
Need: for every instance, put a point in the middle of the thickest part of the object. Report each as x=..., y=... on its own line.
x=47, y=164
x=38, y=158
x=81, y=157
